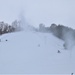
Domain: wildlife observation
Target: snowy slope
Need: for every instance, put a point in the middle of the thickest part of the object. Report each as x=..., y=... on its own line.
x=34, y=53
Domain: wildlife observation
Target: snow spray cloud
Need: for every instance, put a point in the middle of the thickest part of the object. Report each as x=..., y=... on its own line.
x=69, y=38
x=64, y=33
x=23, y=22
x=22, y=19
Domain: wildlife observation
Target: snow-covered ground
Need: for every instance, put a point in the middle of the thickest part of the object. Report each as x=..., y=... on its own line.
x=34, y=53
x=30, y=52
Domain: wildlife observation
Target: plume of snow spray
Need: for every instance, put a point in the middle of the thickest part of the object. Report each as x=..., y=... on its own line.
x=23, y=22
x=69, y=38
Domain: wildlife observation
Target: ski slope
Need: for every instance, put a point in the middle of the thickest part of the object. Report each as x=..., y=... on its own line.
x=34, y=53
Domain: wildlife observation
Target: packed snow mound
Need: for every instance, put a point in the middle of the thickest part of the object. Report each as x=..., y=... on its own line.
x=34, y=53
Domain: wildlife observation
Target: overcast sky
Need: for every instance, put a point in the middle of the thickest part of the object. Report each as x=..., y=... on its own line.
x=39, y=11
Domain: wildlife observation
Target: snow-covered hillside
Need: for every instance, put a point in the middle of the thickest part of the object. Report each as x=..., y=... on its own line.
x=34, y=53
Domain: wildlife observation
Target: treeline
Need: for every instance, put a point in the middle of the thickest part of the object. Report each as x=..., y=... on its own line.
x=6, y=28
x=58, y=30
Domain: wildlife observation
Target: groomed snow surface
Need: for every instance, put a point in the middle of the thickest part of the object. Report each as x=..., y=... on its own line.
x=35, y=53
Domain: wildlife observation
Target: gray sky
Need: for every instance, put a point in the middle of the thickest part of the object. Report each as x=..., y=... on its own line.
x=39, y=11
